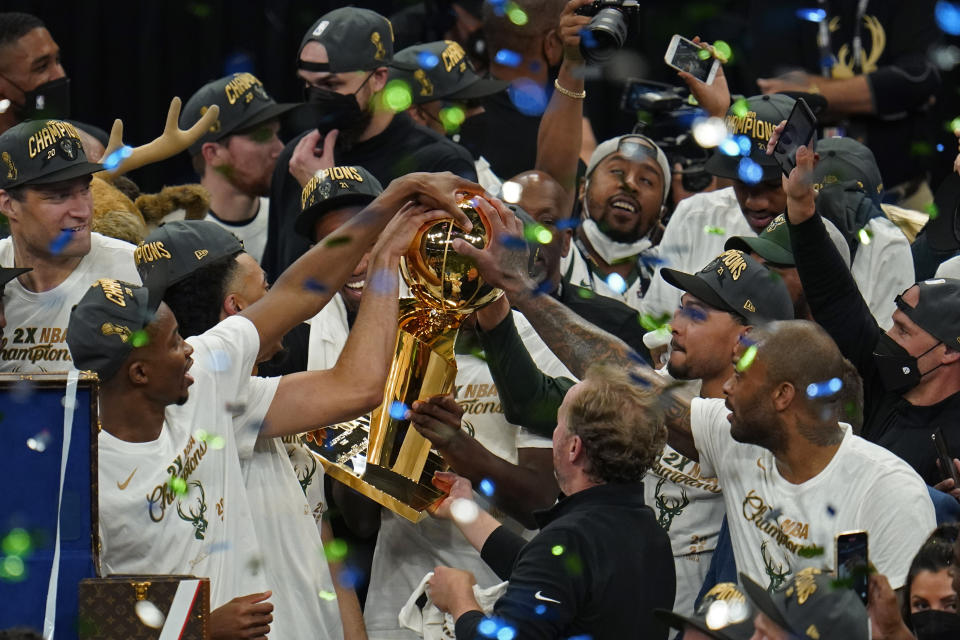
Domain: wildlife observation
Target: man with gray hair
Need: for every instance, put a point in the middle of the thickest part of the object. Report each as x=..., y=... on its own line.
x=609, y=433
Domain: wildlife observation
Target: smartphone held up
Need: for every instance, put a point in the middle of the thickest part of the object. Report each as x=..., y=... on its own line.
x=686, y=55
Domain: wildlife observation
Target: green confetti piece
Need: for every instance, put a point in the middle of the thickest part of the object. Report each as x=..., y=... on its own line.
x=810, y=552
x=932, y=210
x=16, y=543
x=722, y=51
x=397, y=95
x=335, y=550
x=140, y=338
x=177, y=485
x=703, y=54
x=747, y=358
x=12, y=569
x=586, y=294
x=336, y=241
x=537, y=233
x=717, y=231
x=216, y=442
x=654, y=323
x=452, y=118
x=329, y=596
x=740, y=108
x=953, y=125
x=557, y=550
x=865, y=236
x=516, y=15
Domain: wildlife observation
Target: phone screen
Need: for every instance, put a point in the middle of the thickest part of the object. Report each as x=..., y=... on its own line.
x=853, y=566
x=800, y=129
x=687, y=58
x=947, y=468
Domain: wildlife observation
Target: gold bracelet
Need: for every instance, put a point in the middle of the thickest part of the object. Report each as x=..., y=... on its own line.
x=576, y=95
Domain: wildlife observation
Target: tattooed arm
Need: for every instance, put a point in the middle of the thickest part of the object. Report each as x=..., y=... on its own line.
x=576, y=342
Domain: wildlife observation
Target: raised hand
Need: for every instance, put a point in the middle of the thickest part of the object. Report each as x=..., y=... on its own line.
x=571, y=24
x=503, y=262
x=306, y=162
x=435, y=191
x=457, y=488
x=437, y=419
x=713, y=97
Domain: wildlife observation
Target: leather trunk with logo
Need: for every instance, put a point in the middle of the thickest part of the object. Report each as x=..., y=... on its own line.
x=109, y=609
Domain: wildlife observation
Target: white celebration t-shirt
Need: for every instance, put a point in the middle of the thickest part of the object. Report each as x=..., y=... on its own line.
x=200, y=524
x=35, y=338
x=778, y=528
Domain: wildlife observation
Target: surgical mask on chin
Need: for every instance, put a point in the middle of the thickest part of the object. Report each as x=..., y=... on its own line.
x=899, y=371
x=48, y=100
x=936, y=625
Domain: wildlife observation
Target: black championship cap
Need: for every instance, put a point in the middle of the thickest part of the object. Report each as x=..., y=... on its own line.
x=724, y=614
x=737, y=283
x=42, y=152
x=441, y=71
x=844, y=160
x=177, y=249
x=938, y=310
x=333, y=188
x=773, y=243
x=943, y=231
x=763, y=114
x=243, y=103
x=355, y=39
x=810, y=606
x=104, y=324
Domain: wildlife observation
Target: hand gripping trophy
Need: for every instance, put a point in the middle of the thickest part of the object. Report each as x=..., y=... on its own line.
x=446, y=288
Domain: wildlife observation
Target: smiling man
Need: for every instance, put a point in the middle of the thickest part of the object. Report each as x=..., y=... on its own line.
x=45, y=195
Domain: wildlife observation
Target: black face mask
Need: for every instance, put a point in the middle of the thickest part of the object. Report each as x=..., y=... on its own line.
x=898, y=369
x=48, y=100
x=338, y=111
x=936, y=625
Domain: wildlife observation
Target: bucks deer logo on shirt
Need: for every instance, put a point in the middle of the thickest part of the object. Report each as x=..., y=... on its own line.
x=196, y=510
x=669, y=508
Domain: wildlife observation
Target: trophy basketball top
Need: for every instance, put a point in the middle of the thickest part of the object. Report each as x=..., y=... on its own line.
x=441, y=278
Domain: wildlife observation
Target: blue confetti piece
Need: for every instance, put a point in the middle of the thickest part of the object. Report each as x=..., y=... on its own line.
x=486, y=487
x=527, y=96
x=651, y=262
x=693, y=313
x=508, y=58
x=948, y=17
x=513, y=242
x=940, y=147
x=506, y=633
x=488, y=627
x=587, y=39
x=540, y=609
x=314, y=285
x=427, y=60
x=749, y=171
x=569, y=223
x=116, y=157
x=350, y=577
x=640, y=380
x=729, y=147
x=544, y=287
x=824, y=389
x=616, y=282
x=812, y=15
x=60, y=242
x=398, y=410
x=743, y=142
x=831, y=511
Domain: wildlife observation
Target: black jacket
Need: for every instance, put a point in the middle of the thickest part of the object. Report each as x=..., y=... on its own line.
x=403, y=147
x=838, y=307
x=598, y=568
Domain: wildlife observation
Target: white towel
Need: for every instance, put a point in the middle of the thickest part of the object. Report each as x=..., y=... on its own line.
x=433, y=624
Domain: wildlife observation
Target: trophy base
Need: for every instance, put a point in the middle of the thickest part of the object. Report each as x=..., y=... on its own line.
x=339, y=452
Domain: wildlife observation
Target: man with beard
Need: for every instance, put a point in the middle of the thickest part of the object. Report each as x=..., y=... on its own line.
x=32, y=79
x=235, y=160
x=343, y=62
x=622, y=192
x=706, y=329
x=911, y=372
x=45, y=194
x=785, y=499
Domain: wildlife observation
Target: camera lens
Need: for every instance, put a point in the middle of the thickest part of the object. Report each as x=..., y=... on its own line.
x=606, y=33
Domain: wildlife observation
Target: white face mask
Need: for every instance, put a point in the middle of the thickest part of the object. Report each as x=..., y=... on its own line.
x=610, y=250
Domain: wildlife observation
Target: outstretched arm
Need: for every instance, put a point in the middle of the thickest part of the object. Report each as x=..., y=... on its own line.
x=561, y=129
x=576, y=342
x=521, y=488
x=309, y=283
x=355, y=384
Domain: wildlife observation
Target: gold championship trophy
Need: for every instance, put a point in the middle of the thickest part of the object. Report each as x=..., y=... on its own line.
x=385, y=458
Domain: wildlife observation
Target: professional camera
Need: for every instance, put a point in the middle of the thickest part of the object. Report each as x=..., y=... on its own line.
x=607, y=30
x=665, y=116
